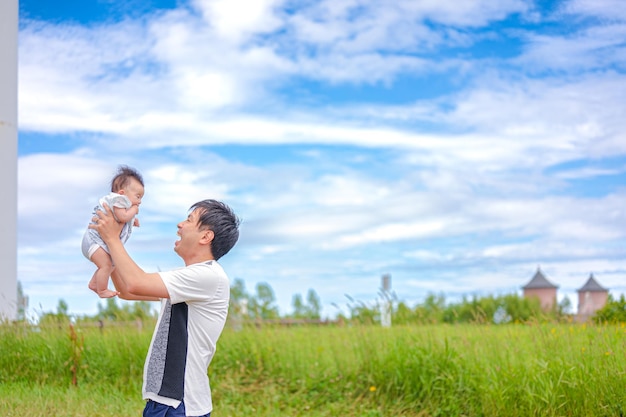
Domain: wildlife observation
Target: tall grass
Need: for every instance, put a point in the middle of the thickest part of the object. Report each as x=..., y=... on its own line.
x=45, y=356
x=514, y=370
x=442, y=370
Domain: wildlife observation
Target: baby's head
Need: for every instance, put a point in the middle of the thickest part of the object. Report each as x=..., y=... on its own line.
x=128, y=182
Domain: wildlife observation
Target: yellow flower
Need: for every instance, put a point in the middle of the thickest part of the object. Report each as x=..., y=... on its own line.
x=372, y=388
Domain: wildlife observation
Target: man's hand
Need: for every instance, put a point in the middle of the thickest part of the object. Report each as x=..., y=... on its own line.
x=106, y=225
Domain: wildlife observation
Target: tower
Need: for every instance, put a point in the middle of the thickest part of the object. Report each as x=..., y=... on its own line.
x=591, y=297
x=539, y=287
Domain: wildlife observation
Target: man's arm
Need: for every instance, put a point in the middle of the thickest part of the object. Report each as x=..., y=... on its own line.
x=123, y=292
x=129, y=279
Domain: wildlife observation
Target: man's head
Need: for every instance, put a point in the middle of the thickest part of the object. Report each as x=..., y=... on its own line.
x=221, y=220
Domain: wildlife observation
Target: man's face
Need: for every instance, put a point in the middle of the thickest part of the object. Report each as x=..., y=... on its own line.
x=189, y=233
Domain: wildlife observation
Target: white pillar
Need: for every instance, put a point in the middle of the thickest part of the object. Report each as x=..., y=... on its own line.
x=8, y=159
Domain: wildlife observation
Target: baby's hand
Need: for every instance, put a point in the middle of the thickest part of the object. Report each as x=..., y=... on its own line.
x=136, y=222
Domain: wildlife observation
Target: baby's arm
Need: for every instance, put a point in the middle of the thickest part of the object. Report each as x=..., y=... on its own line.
x=125, y=215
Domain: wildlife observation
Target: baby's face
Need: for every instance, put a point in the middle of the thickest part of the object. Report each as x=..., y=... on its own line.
x=134, y=192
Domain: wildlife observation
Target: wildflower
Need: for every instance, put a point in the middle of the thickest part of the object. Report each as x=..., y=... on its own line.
x=372, y=388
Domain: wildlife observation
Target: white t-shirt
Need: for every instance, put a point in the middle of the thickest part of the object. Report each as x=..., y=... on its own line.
x=185, y=337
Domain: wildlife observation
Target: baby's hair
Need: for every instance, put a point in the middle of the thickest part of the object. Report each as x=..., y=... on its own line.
x=123, y=177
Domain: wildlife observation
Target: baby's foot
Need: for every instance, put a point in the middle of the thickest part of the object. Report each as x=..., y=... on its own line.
x=107, y=293
x=92, y=286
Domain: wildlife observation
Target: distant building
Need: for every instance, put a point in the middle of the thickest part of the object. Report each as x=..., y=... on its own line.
x=539, y=287
x=591, y=298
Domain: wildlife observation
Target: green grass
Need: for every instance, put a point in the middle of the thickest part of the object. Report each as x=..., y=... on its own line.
x=45, y=400
x=439, y=370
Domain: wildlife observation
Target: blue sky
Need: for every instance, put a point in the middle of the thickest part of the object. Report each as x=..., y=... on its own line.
x=454, y=145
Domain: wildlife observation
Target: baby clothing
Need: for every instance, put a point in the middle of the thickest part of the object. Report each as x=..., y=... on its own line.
x=91, y=239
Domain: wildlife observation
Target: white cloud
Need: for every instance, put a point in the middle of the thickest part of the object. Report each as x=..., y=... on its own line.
x=589, y=172
x=112, y=75
x=236, y=20
x=351, y=26
x=53, y=194
x=610, y=10
x=595, y=48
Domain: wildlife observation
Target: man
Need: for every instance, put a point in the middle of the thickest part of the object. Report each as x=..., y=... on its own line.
x=194, y=305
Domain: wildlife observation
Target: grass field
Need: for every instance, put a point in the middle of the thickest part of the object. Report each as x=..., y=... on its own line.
x=438, y=370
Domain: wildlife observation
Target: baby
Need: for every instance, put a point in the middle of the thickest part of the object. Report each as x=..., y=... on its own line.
x=124, y=200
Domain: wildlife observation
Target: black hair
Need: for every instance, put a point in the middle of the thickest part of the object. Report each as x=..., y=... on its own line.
x=218, y=217
x=123, y=177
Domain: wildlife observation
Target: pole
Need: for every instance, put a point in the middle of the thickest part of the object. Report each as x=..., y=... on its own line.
x=385, y=308
x=8, y=158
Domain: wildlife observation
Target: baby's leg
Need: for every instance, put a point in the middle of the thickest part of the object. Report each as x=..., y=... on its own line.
x=100, y=280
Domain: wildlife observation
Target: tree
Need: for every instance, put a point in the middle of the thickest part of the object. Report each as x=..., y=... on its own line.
x=432, y=310
x=263, y=304
x=565, y=306
x=311, y=310
x=402, y=313
x=361, y=313
x=110, y=311
x=612, y=312
x=136, y=310
x=62, y=308
x=314, y=305
x=239, y=300
x=61, y=317
x=299, y=309
x=238, y=291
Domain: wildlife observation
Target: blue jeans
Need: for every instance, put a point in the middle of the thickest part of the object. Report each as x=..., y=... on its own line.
x=155, y=409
